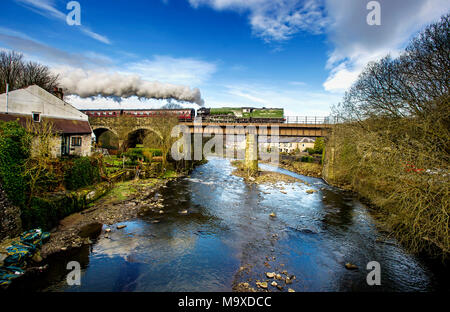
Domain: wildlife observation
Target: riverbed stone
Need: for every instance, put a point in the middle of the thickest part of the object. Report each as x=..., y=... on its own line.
x=91, y=230
x=263, y=285
x=270, y=274
x=350, y=266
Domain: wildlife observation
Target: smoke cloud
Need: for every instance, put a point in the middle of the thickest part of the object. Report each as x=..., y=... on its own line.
x=86, y=83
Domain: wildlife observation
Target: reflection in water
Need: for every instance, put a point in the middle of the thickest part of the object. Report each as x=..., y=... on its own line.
x=227, y=237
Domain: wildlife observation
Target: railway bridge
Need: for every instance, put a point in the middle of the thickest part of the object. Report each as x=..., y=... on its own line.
x=293, y=127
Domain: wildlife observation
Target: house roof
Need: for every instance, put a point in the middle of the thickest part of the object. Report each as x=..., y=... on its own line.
x=60, y=125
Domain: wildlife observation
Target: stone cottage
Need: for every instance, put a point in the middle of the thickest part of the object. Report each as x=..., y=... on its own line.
x=35, y=105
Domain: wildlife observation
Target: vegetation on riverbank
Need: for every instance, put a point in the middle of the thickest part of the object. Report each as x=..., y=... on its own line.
x=391, y=142
x=47, y=189
x=309, y=169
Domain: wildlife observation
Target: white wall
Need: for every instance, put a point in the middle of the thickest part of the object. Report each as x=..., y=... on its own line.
x=35, y=99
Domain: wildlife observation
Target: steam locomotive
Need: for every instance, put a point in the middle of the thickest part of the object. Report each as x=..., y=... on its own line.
x=242, y=114
x=217, y=115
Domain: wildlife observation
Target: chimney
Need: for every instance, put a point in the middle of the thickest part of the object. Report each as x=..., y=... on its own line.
x=58, y=92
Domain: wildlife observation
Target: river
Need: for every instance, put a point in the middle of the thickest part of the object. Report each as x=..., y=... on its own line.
x=227, y=237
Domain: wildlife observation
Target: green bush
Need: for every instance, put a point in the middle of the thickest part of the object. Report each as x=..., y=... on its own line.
x=319, y=145
x=14, y=150
x=82, y=173
x=308, y=159
x=311, y=151
x=142, y=153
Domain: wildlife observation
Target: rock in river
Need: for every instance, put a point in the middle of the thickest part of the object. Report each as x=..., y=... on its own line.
x=270, y=274
x=350, y=266
x=121, y=227
x=91, y=230
x=273, y=215
x=263, y=285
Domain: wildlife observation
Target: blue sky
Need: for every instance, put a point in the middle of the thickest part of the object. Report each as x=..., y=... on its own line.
x=297, y=54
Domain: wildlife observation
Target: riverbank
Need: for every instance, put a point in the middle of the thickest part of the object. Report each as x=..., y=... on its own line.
x=122, y=203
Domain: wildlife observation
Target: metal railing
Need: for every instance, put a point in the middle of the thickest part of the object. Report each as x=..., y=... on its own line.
x=311, y=120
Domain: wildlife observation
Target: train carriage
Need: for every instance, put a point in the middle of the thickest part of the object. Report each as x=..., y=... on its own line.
x=187, y=114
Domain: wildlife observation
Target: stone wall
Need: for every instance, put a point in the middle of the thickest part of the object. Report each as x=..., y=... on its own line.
x=10, y=223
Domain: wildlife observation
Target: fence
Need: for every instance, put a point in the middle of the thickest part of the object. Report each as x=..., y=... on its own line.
x=312, y=120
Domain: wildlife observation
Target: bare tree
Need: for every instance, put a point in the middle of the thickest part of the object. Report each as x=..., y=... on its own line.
x=44, y=140
x=17, y=73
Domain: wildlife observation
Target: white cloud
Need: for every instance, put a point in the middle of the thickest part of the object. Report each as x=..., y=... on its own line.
x=356, y=43
x=47, y=9
x=274, y=20
x=174, y=70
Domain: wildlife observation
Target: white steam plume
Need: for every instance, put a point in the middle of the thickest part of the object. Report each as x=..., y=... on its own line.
x=85, y=83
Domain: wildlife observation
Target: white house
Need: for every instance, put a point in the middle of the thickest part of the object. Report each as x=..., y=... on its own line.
x=289, y=144
x=34, y=104
x=284, y=144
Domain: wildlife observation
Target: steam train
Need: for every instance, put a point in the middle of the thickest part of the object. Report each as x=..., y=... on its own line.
x=242, y=114
x=187, y=114
x=214, y=115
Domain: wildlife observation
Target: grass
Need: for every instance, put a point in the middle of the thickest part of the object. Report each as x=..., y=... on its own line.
x=169, y=174
x=121, y=191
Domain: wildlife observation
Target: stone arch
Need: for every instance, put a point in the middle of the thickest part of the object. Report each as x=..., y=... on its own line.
x=99, y=130
x=137, y=134
x=148, y=128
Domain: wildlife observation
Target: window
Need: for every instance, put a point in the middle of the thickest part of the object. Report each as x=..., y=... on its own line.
x=36, y=117
x=76, y=141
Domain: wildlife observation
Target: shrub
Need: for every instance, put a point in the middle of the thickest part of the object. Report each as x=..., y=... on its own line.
x=14, y=150
x=84, y=172
x=319, y=145
x=142, y=153
x=308, y=159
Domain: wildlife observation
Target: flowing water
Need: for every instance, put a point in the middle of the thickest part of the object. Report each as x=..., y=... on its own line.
x=227, y=237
